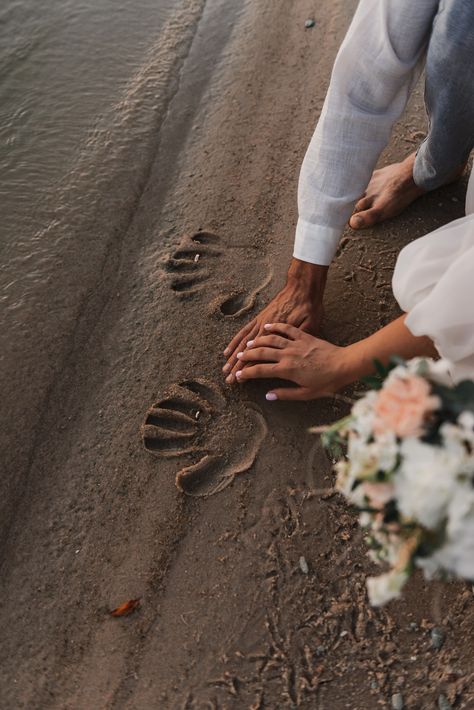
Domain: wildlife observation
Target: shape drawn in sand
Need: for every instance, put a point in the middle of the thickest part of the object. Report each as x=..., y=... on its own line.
x=194, y=419
x=203, y=263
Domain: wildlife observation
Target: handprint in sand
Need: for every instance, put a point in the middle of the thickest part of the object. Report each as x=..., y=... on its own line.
x=194, y=419
x=205, y=266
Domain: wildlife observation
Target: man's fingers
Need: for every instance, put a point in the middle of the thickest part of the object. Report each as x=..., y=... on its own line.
x=260, y=354
x=294, y=393
x=237, y=339
x=268, y=341
x=284, y=329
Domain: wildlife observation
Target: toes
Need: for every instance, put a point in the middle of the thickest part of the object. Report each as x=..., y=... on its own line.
x=361, y=220
x=363, y=204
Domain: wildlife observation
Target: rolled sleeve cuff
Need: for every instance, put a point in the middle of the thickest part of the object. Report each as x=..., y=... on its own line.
x=315, y=243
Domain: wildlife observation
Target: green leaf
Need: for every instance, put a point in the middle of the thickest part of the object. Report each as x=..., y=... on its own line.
x=372, y=381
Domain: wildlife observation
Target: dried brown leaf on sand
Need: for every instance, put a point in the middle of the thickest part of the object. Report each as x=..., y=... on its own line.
x=126, y=608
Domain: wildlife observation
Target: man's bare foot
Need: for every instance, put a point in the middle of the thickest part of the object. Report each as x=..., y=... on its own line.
x=390, y=190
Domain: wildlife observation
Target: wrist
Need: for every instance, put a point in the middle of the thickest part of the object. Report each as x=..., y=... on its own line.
x=352, y=364
x=307, y=278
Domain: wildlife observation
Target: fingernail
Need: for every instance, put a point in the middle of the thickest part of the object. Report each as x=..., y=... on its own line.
x=238, y=373
x=226, y=368
x=271, y=396
x=229, y=379
x=239, y=355
x=268, y=325
x=357, y=221
x=226, y=351
x=250, y=343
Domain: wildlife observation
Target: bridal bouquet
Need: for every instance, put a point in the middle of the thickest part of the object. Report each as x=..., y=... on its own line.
x=409, y=471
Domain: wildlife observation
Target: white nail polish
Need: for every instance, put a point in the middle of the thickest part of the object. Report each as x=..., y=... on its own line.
x=238, y=373
x=268, y=325
x=250, y=343
x=271, y=397
x=239, y=355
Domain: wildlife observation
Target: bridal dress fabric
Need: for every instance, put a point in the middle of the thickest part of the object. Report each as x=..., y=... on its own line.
x=433, y=283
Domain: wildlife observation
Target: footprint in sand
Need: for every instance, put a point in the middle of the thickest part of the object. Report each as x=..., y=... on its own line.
x=203, y=263
x=194, y=419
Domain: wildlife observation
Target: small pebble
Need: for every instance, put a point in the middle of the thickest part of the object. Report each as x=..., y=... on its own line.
x=196, y=258
x=304, y=565
x=309, y=23
x=437, y=638
x=443, y=703
x=320, y=650
x=413, y=626
x=198, y=414
x=374, y=685
x=397, y=701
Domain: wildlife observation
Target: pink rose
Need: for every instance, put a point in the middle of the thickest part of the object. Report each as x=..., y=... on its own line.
x=403, y=405
x=378, y=494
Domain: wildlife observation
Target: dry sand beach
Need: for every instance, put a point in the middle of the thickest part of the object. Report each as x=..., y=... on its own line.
x=251, y=579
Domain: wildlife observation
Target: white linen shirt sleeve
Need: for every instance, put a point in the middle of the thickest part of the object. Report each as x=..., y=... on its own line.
x=375, y=69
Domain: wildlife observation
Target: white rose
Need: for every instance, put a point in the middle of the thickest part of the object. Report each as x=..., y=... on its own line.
x=425, y=481
x=363, y=415
x=385, y=587
x=457, y=554
x=366, y=459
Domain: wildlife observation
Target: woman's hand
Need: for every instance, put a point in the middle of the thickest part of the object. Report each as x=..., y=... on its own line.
x=299, y=303
x=288, y=353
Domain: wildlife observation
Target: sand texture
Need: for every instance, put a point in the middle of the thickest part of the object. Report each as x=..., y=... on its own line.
x=133, y=472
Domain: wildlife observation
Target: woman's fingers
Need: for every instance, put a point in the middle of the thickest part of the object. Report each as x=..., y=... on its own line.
x=232, y=364
x=268, y=341
x=284, y=329
x=259, y=354
x=237, y=339
x=256, y=372
x=232, y=361
x=294, y=393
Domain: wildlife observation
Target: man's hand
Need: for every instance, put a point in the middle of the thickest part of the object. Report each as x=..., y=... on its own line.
x=299, y=303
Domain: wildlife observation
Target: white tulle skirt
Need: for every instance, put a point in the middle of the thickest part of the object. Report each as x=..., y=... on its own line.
x=433, y=283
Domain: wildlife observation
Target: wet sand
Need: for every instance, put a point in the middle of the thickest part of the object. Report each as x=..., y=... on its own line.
x=118, y=323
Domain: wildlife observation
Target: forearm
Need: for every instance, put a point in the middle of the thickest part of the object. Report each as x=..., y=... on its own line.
x=393, y=339
x=374, y=71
